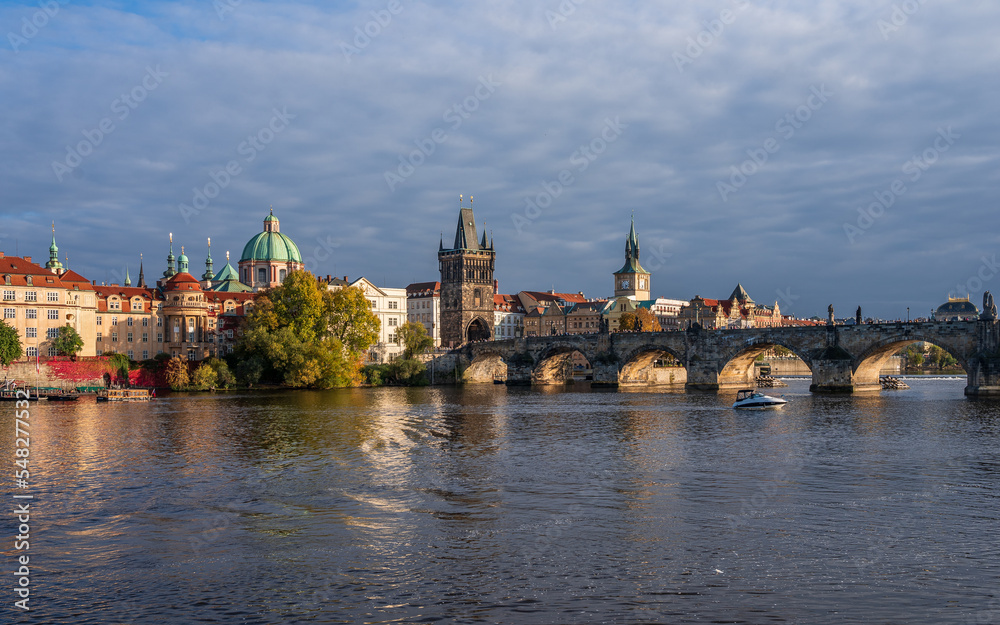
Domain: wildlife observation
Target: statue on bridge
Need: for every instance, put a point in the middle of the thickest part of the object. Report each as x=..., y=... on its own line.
x=857, y=316
x=989, y=308
x=829, y=311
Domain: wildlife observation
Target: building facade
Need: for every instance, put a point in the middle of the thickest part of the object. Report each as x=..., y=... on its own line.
x=467, y=286
x=390, y=306
x=423, y=306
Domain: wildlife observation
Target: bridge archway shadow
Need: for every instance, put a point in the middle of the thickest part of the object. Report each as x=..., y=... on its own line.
x=561, y=365
x=486, y=368
x=738, y=372
x=652, y=366
x=870, y=363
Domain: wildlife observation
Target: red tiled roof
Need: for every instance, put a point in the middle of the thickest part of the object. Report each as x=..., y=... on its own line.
x=419, y=287
x=182, y=282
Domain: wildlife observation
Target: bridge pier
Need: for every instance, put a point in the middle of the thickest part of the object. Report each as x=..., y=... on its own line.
x=836, y=375
x=702, y=375
x=606, y=375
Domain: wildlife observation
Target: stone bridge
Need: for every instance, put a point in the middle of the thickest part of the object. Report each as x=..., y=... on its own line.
x=842, y=358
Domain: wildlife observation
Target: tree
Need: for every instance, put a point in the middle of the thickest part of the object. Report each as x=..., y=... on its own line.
x=351, y=320
x=68, y=342
x=223, y=375
x=639, y=321
x=414, y=338
x=177, y=373
x=10, y=344
x=204, y=377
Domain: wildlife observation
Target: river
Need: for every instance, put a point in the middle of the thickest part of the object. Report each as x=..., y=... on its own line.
x=490, y=504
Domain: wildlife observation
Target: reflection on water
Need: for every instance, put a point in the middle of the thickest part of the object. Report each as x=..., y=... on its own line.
x=513, y=505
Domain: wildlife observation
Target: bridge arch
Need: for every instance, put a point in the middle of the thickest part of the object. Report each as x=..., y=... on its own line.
x=639, y=366
x=870, y=362
x=554, y=365
x=738, y=367
x=487, y=365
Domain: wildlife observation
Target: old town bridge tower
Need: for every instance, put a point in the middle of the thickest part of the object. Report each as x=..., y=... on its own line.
x=467, y=286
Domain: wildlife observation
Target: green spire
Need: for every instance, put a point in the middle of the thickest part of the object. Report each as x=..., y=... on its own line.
x=182, y=262
x=53, y=263
x=171, y=268
x=128, y=280
x=209, y=272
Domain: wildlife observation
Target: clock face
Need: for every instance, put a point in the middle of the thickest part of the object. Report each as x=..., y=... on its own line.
x=624, y=284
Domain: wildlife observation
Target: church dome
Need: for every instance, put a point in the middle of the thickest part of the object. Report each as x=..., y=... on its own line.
x=958, y=306
x=271, y=245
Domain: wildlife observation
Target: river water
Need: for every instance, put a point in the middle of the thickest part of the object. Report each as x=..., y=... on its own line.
x=487, y=504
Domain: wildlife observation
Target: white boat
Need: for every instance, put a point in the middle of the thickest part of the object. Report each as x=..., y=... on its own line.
x=750, y=399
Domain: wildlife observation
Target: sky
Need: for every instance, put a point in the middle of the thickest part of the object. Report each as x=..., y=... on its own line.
x=818, y=152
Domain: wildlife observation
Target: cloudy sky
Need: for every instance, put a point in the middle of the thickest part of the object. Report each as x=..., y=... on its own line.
x=818, y=152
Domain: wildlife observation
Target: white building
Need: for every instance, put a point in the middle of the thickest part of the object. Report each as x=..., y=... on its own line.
x=667, y=312
x=508, y=317
x=389, y=305
x=423, y=306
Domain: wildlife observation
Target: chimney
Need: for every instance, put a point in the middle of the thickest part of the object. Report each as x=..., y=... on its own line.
x=496, y=285
x=328, y=277
x=27, y=258
x=345, y=278
x=1, y=254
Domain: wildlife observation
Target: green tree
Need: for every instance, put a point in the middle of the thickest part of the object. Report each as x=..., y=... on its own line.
x=10, y=344
x=68, y=342
x=351, y=320
x=414, y=338
x=204, y=377
x=177, y=374
x=223, y=375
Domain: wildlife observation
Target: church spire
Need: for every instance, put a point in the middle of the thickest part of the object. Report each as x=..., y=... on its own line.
x=633, y=242
x=171, y=267
x=209, y=272
x=54, y=265
x=142, y=278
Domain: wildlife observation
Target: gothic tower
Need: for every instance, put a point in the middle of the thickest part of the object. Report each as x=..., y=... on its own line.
x=632, y=280
x=466, y=283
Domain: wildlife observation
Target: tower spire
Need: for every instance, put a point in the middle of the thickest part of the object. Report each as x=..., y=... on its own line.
x=142, y=278
x=209, y=273
x=54, y=265
x=128, y=279
x=171, y=267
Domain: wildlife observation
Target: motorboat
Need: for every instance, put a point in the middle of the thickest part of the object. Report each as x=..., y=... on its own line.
x=750, y=399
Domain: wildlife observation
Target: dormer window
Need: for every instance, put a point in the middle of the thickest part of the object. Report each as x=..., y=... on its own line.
x=6, y=279
x=30, y=281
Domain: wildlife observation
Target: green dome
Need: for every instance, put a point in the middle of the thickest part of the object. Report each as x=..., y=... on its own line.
x=271, y=246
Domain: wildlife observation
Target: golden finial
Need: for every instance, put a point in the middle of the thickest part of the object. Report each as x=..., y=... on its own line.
x=209, y=241
x=171, y=237
x=227, y=256
x=470, y=201
x=53, y=227
x=182, y=250
x=460, y=200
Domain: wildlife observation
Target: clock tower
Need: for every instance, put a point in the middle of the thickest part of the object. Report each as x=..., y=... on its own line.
x=632, y=280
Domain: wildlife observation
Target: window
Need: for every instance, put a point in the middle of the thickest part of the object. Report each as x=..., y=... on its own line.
x=281, y=275
x=52, y=333
x=145, y=354
x=31, y=333
x=100, y=320
x=32, y=351
x=52, y=296
x=114, y=337
x=128, y=322
x=31, y=313
x=128, y=337
x=99, y=337
x=53, y=313
x=190, y=331
x=145, y=322
x=392, y=322
x=145, y=337
x=159, y=322
x=159, y=337
x=261, y=276
x=31, y=296
x=31, y=281
x=190, y=354
x=131, y=355
x=114, y=321
x=8, y=296
x=392, y=339
x=10, y=313
x=394, y=305
x=52, y=351
x=114, y=304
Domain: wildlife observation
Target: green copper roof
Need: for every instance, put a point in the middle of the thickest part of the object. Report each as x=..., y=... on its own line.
x=632, y=266
x=271, y=246
x=232, y=286
x=226, y=273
